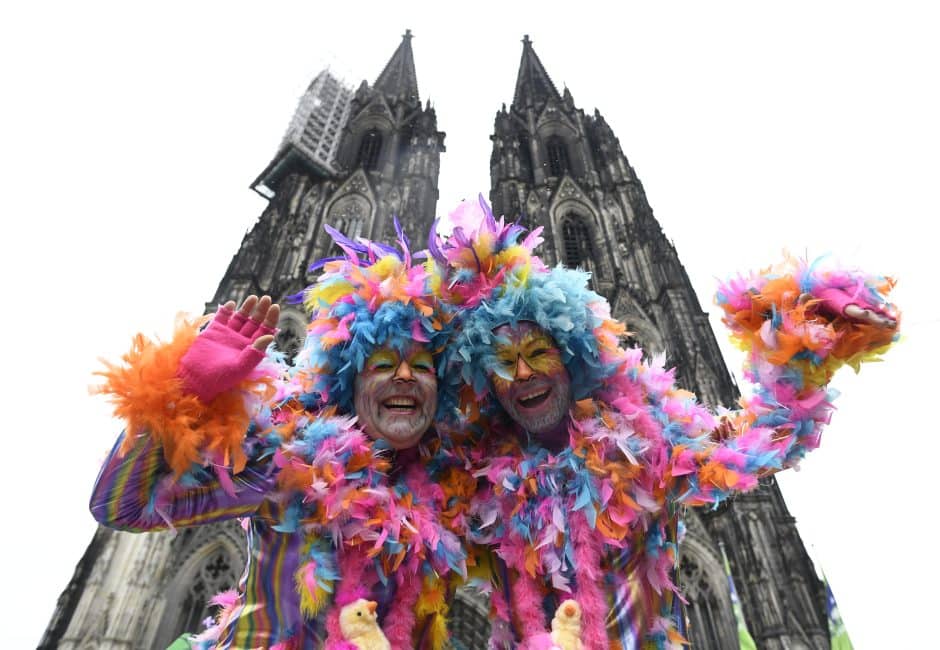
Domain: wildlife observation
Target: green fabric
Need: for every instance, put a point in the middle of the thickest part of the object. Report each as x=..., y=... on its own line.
x=840, y=640
x=744, y=637
x=181, y=643
x=838, y=635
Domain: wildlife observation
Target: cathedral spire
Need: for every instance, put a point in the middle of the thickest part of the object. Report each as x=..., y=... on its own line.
x=532, y=83
x=398, y=79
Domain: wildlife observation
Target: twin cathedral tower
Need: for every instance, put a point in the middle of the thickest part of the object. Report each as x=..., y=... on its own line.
x=354, y=159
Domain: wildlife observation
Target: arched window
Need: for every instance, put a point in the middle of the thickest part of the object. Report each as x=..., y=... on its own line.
x=369, y=149
x=576, y=241
x=215, y=575
x=514, y=208
x=557, y=151
x=351, y=215
x=351, y=226
x=525, y=156
x=711, y=626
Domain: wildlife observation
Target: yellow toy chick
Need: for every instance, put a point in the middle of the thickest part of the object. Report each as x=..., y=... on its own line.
x=566, y=626
x=359, y=625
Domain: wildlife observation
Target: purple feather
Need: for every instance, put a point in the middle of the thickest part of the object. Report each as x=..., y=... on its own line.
x=433, y=248
x=343, y=241
x=402, y=240
x=460, y=237
x=319, y=264
x=490, y=219
x=385, y=249
x=402, y=237
x=512, y=234
x=296, y=298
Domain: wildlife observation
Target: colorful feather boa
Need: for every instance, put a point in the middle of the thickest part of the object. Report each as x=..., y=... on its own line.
x=384, y=522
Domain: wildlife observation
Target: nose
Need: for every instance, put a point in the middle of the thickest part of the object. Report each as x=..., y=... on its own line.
x=523, y=370
x=403, y=372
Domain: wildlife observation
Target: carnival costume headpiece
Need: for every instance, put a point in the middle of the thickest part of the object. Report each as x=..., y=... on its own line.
x=371, y=296
x=487, y=269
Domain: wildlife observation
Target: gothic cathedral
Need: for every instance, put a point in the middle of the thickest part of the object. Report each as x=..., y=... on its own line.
x=353, y=159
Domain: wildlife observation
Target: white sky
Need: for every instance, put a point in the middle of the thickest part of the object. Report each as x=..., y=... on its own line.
x=130, y=134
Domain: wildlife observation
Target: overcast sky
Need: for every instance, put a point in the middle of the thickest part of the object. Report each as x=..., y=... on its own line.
x=130, y=133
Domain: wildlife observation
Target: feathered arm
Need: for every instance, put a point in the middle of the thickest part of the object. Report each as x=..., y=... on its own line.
x=798, y=325
x=153, y=393
x=183, y=459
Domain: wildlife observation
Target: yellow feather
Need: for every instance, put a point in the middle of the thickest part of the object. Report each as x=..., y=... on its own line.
x=310, y=604
x=432, y=602
x=434, y=278
x=386, y=266
x=511, y=256
x=326, y=294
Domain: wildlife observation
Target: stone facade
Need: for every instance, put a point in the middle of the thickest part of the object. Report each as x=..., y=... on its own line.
x=353, y=159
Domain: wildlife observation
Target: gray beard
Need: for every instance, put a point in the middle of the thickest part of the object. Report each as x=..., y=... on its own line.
x=547, y=420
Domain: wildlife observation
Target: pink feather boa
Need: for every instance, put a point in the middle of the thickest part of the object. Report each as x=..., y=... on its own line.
x=352, y=565
x=400, y=620
x=588, y=551
x=527, y=602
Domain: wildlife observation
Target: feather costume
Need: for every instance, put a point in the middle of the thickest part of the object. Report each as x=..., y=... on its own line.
x=331, y=515
x=597, y=520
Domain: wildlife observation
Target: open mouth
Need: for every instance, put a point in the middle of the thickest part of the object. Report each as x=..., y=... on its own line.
x=400, y=405
x=535, y=399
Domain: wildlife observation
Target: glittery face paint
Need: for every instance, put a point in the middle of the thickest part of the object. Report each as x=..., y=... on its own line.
x=396, y=395
x=531, y=381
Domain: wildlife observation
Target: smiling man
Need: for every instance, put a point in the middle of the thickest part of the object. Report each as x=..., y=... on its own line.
x=588, y=450
x=396, y=394
x=209, y=439
x=531, y=382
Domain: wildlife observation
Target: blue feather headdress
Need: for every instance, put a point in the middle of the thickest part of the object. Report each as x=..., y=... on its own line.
x=369, y=297
x=493, y=278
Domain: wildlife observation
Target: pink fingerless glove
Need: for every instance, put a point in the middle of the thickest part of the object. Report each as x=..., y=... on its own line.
x=836, y=300
x=222, y=355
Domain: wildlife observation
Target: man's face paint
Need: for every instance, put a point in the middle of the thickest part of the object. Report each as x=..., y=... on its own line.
x=531, y=381
x=396, y=395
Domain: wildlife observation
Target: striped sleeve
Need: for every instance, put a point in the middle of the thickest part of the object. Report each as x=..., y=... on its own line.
x=135, y=492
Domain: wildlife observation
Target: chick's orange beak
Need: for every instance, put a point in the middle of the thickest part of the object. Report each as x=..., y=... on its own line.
x=372, y=605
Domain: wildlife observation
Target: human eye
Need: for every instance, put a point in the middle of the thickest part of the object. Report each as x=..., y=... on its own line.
x=424, y=365
x=380, y=362
x=506, y=362
x=422, y=361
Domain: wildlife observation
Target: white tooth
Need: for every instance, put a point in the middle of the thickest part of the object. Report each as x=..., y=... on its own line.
x=534, y=395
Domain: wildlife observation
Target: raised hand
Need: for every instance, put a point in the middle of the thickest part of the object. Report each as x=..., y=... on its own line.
x=869, y=316
x=228, y=349
x=839, y=303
